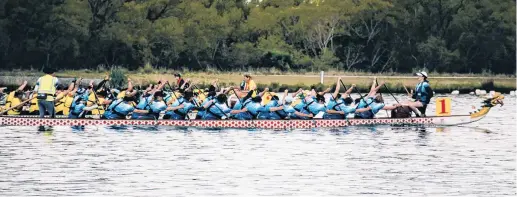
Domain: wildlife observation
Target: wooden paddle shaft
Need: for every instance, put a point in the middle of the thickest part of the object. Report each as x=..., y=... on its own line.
x=22, y=103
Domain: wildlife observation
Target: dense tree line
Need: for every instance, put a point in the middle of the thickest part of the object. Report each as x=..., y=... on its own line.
x=370, y=35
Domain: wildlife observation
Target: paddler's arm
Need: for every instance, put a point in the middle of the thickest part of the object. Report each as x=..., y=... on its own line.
x=330, y=111
x=140, y=111
x=338, y=87
x=22, y=86
x=239, y=111
x=303, y=115
x=175, y=108
x=129, y=85
x=273, y=109
x=391, y=107
x=347, y=93
x=214, y=83
x=362, y=110
x=94, y=106
x=325, y=91
x=263, y=92
x=286, y=92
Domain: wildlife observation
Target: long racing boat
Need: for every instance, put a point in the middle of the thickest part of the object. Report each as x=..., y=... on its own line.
x=263, y=124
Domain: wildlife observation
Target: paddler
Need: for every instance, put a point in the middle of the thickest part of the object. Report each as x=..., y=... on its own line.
x=15, y=101
x=249, y=110
x=180, y=108
x=216, y=109
x=9, y=97
x=46, y=89
x=248, y=84
x=79, y=108
x=373, y=100
x=120, y=108
x=422, y=95
x=341, y=105
x=153, y=103
x=181, y=84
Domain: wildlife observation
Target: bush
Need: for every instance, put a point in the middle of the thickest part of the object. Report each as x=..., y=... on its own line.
x=118, y=77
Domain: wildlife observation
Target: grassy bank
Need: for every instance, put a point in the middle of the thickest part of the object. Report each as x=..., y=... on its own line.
x=441, y=83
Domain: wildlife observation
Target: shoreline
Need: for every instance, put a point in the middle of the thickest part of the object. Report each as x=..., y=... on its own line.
x=440, y=84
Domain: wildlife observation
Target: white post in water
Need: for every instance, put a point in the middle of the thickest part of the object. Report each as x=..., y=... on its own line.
x=321, y=76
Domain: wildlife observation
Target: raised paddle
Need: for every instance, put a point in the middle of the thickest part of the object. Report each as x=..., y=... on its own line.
x=22, y=103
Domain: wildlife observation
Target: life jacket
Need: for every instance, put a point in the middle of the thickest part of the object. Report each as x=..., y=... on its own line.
x=47, y=85
x=422, y=94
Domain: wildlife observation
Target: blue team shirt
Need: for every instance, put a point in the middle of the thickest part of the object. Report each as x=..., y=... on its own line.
x=143, y=102
x=375, y=108
x=216, y=111
x=122, y=109
x=265, y=113
x=179, y=114
x=253, y=111
x=77, y=109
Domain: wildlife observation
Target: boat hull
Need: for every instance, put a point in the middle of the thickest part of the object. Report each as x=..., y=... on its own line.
x=245, y=124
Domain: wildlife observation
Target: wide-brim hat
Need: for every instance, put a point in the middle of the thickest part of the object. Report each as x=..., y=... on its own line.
x=422, y=74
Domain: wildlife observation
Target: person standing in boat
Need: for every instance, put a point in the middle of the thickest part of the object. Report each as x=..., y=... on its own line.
x=46, y=90
x=422, y=95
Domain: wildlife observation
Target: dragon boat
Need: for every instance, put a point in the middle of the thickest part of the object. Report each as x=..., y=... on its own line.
x=263, y=124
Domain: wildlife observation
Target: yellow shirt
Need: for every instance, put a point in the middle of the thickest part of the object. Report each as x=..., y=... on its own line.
x=67, y=102
x=250, y=85
x=60, y=105
x=8, y=100
x=99, y=110
x=34, y=105
x=15, y=102
x=121, y=94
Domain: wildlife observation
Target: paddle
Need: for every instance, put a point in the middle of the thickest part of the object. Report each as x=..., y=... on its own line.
x=22, y=103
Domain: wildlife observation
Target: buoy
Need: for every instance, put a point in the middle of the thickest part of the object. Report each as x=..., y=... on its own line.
x=512, y=93
x=492, y=93
x=455, y=92
x=480, y=92
x=471, y=93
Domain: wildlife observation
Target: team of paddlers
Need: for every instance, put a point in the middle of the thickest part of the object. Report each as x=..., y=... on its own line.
x=183, y=97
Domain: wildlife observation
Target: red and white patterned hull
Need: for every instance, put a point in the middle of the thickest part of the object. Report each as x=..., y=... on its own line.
x=245, y=124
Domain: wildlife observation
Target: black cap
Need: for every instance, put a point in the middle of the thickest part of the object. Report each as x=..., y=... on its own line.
x=188, y=95
x=159, y=93
x=320, y=98
x=257, y=99
x=221, y=98
x=48, y=70
x=177, y=75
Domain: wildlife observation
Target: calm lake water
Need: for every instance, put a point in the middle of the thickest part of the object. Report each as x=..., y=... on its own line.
x=474, y=160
